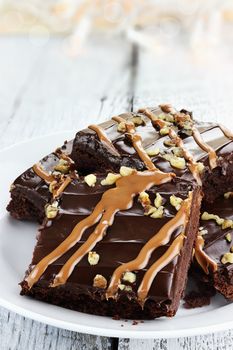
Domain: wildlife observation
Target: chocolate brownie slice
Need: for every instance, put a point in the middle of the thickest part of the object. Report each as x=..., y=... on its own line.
x=30, y=192
x=214, y=254
x=132, y=262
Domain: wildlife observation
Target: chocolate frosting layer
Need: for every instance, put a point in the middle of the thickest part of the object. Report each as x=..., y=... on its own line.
x=129, y=232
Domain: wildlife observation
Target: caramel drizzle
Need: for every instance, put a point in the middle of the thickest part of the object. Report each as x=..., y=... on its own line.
x=160, y=238
x=192, y=165
x=203, y=145
x=60, y=189
x=226, y=132
x=103, y=137
x=124, y=192
x=202, y=258
x=195, y=133
x=136, y=142
x=37, y=168
x=49, y=178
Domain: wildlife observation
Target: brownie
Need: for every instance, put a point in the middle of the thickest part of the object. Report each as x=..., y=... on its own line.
x=216, y=233
x=136, y=274
x=126, y=237
x=30, y=193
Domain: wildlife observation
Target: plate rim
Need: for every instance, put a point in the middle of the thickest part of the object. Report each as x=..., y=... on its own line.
x=83, y=328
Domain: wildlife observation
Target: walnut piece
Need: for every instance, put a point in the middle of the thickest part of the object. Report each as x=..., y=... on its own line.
x=227, y=195
x=63, y=166
x=228, y=237
x=129, y=277
x=164, y=131
x=93, y=258
x=137, y=120
x=121, y=127
x=51, y=210
x=144, y=199
x=157, y=213
x=126, y=171
x=153, y=152
x=158, y=200
x=206, y=216
x=90, y=180
x=227, y=258
x=176, y=201
x=110, y=179
x=100, y=282
x=176, y=162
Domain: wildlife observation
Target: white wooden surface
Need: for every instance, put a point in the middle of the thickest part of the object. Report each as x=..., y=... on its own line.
x=44, y=91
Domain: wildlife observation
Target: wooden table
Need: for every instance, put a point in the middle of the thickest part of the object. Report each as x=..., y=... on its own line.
x=42, y=91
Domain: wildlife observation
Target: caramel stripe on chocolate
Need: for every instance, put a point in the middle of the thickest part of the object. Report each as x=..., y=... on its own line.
x=50, y=179
x=202, y=258
x=136, y=142
x=195, y=133
x=226, y=132
x=37, y=168
x=103, y=137
x=158, y=265
x=203, y=145
x=115, y=199
x=193, y=166
x=160, y=238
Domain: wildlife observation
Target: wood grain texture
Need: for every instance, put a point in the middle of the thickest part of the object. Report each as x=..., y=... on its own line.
x=42, y=91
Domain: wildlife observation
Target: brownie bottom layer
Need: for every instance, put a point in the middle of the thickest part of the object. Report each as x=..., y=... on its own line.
x=23, y=209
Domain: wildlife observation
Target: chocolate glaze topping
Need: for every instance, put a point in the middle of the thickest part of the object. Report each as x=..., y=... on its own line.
x=126, y=141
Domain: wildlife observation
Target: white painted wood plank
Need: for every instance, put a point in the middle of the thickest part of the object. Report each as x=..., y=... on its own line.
x=207, y=89
x=43, y=91
x=18, y=333
x=60, y=93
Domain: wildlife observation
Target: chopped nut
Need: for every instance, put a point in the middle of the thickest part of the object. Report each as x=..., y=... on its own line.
x=227, y=223
x=200, y=167
x=144, y=199
x=166, y=117
x=150, y=210
x=100, y=282
x=202, y=232
x=168, y=143
x=128, y=289
x=164, y=131
x=158, y=213
x=177, y=151
x=129, y=277
x=206, y=216
x=93, y=258
x=110, y=179
x=63, y=166
x=52, y=186
x=176, y=201
x=137, y=120
x=153, y=152
x=126, y=171
x=121, y=127
x=228, y=237
x=90, y=180
x=121, y=286
x=51, y=210
x=227, y=258
x=158, y=200
x=228, y=195
x=178, y=162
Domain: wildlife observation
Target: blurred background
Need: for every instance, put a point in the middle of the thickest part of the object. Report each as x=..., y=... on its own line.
x=71, y=62
x=154, y=24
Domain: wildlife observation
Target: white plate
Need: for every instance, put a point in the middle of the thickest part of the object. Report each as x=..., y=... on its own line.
x=16, y=245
